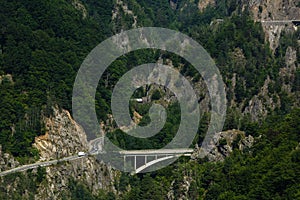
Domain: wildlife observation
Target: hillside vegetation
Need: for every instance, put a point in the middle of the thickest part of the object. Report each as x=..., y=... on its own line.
x=43, y=43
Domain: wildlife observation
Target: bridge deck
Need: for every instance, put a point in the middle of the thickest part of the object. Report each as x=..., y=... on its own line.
x=280, y=22
x=156, y=151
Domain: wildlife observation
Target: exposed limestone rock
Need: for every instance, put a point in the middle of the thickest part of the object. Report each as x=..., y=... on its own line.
x=274, y=10
x=170, y=194
x=204, y=3
x=173, y=4
x=6, y=77
x=183, y=190
x=224, y=143
x=136, y=117
x=7, y=161
x=64, y=137
x=116, y=12
x=267, y=10
x=273, y=34
x=287, y=73
x=260, y=104
x=79, y=6
x=108, y=125
x=291, y=57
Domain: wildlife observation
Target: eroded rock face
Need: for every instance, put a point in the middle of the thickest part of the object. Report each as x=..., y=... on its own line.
x=274, y=9
x=268, y=10
x=260, y=104
x=287, y=73
x=63, y=138
x=173, y=4
x=80, y=7
x=123, y=7
x=204, y=3
x=185, y=184
x=266, y=100
x=7, y=161
x=7, y=77
x=273, y=34
x=224, y=143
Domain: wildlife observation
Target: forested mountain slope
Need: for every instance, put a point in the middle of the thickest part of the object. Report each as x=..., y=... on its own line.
x=43, y=43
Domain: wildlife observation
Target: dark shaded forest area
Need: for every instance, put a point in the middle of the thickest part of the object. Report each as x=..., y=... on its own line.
x=43, y=43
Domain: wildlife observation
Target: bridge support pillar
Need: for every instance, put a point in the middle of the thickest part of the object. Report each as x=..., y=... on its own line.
x=124, y=165
x=134, y=162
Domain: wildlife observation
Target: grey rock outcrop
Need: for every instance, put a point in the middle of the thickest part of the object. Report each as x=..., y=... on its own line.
x=185, y=184
x=7, y=77
x=202, y=4
x=287, y=73
x=64, y=137
x=264, y=10
x=260, y=104
x=7, y=161
x=80, y=7
x=223, y=144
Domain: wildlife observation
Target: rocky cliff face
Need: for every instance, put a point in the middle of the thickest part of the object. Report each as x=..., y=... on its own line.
x=7, y=161
x=64, y=137
x=266, y=10
x=260, y=104
x=185, y=184
x=274, y=10
x=287, y=73
x=122, y=7
x=224, y=143
x=202, y=4
x=80, y=7
x=265, y=101
x=6, y=77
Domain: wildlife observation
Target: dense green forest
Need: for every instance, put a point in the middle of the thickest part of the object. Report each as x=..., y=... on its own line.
x=43, y=43
x=42, y=47
x=270, y=170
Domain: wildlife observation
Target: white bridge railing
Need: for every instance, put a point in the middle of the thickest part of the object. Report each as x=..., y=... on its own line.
x=280, y=22
x=139, y=160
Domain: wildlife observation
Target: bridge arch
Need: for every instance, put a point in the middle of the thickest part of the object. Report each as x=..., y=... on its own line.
x=148, y=164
